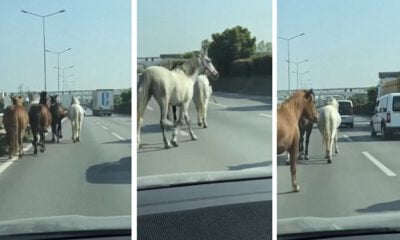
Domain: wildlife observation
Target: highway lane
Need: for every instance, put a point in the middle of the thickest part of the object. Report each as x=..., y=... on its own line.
x=90, y=178
x=239, y=136
x=359, y=181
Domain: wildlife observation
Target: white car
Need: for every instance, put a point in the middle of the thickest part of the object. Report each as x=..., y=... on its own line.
x=346, y=112
x=386, y=118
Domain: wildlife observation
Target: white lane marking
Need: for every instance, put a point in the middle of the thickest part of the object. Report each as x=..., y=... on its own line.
x=118, y=136
x=379, y=164
x=150, y=108
x=218, y=104
x=8, y=163
x=97, y=123
x=265, y=115
x=104, y=127
x=347, y=138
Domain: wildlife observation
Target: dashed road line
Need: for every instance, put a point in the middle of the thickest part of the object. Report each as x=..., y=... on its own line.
x=379, y=165
x=118, y=136
x=265, y=115
x=8, y=163
x=347, y=138
x=104, y=127
x=218, y=104
x=150, y=108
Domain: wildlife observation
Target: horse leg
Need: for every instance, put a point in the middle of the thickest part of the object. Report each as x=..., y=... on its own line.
x=329, y=149
x=21, y=142
x=301, y=144
x=163, y=103
x=60, y=126
x=205, y=114
x=78, y=129
x=34, y=141
x=59, y=134
x=53, y=131
x=42, y=140
x=141, y=107
x=73, y=126
x=336, y=145
x=187, y=120
x=177, y=124
x=308, y=134
x=293, y=151
x=199, y=114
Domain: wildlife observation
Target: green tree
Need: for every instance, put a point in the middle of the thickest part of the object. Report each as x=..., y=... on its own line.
x=372, y=94
x=232, y=44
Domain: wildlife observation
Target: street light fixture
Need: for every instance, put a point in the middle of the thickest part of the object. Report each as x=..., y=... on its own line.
x=58, y=64
x=63, y=70
x=288, y=59
x=297, y=70
x=44, y=38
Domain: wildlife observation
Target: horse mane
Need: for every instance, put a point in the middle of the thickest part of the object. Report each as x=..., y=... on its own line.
x=334, y=103
x=75, y=101
x=189, y=67
x=43, y=98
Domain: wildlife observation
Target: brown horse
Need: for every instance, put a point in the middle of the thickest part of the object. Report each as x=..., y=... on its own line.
x=15, y=121
x=40, y=120
x=57, y=115
x=305, y=127
x=300, y=104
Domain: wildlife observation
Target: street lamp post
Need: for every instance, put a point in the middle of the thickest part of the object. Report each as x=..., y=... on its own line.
x=301, y=76
x=288, y=53
x=44, y=38
x=297, y=69
x=58, y=64
x=63, y=70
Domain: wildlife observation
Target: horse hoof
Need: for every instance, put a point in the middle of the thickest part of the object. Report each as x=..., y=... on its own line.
x=168, y=146
x=199, y=124
x=78, y=140
x=20, y=156
x=205, y=126
x=194, y=137
x=42, y=150
x=287, y=162
x=329, y=161
x=174, y=143
x=336, y=151
x=296, y=188
x=307, y=157
x=60, y=136
x=300, y=157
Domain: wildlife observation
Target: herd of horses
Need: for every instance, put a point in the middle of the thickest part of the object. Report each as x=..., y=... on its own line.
x=295, y=118
x=40, y=116
x=175, y=88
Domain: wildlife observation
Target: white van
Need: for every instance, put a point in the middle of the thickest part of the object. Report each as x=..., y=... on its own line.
x=346, y=112
x=386, y=118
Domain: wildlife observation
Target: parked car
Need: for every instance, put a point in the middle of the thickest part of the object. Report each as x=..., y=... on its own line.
x=346, y=112
x=386, y=118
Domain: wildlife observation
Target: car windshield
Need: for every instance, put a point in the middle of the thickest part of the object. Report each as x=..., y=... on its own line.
x=345, y=108
x=65, y=124
x=396, y=103
x=352, y=180
x=225, y=125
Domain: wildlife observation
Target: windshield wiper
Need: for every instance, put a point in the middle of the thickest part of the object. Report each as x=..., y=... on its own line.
x=69, y=234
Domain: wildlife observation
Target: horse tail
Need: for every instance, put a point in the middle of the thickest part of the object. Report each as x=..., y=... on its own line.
x=143, y=95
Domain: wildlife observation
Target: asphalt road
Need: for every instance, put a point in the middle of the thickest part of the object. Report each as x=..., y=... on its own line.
x=91, y=178
x=362, y=179
x=239, y=136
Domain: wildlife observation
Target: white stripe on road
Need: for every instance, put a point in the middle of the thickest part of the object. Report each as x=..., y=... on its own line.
x=5, y=165
x=347, y=138
x=118, y=136
x=221, y=105
x=97, y=123
x=104, y=127
x=265, y=115
x=379, y=164
x=150, y=108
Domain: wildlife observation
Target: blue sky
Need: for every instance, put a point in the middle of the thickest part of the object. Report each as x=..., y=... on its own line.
x=98, y=31
x=177, y=26
x=347, y=42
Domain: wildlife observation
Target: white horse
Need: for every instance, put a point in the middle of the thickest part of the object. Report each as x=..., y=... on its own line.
x=201, y=95
x=172, y=87
x=328, y=124
x=76, y=115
